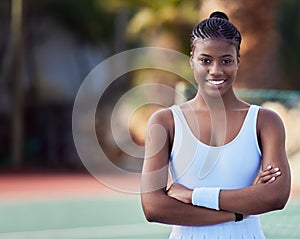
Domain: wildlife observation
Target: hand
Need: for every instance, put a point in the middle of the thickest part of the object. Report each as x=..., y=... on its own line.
x=180, y=192
x=268, y=175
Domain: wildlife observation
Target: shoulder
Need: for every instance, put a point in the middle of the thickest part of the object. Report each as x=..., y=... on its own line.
x=163, y=117
x=159, y=122
x=267, y=116
x=270, y=122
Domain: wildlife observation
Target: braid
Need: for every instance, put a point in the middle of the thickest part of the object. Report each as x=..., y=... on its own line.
x=217, y=26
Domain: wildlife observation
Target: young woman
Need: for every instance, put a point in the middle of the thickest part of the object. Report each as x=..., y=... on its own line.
x=227, y=158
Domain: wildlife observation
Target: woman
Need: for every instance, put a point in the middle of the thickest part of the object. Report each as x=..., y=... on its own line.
x=227, y=158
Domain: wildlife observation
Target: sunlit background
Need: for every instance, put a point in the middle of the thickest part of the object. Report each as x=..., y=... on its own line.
x=48, y=48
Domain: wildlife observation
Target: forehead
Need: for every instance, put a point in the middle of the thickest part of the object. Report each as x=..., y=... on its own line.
x=214, y=47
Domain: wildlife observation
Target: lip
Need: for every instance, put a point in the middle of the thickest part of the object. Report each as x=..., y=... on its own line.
x=217, y=83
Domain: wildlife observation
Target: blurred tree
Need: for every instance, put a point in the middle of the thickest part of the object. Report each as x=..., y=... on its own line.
x=157, y=23
x=165, y=23
x=17, y=84
x=5, y=43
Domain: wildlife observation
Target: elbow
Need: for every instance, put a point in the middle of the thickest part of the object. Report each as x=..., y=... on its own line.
x=283, y=198
x=276, y=205
x=279, y=202
x=148, y=210
x=152, y=213
x=269, y=205
x=277, y=195
x=152, y=209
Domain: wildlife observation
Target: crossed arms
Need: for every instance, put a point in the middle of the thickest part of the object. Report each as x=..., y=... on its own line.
x=270, y=190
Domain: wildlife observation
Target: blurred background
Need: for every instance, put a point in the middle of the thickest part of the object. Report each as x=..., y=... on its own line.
x=48, y=47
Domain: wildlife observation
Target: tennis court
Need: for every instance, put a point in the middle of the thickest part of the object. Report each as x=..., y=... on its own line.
x=117, y=216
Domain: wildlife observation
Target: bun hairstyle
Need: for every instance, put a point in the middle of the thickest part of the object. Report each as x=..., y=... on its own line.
x=217, y=26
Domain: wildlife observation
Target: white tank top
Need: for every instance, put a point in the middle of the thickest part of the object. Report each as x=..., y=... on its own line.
x=231, y=166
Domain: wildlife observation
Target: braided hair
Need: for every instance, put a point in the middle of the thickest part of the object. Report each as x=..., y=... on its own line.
x=217, y=26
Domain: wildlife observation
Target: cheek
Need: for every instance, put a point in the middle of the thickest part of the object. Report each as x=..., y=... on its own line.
x=234, y=73
x=200, y=73
x=200, y=77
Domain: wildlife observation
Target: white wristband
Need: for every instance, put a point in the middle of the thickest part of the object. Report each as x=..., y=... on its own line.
x=206, y=197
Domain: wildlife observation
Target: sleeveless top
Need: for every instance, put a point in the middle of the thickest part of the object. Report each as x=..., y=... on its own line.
x=231, y=166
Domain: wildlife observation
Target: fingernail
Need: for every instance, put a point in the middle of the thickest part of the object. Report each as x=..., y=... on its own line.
x=269, y=167
x=273, y=179
x=278, y=173
x=276, y=169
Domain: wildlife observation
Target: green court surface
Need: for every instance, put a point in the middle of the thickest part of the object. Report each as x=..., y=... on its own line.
x=113, y=217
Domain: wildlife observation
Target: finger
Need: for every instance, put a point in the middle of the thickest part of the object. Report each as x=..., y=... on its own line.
x=269, y=167
x=274, y=170
x=269, y=177
x=270, y=171
x=276, y=174
x=266, y=173
x=271, y=180
x=266, y=178
x=256, y=181
x=274, y=177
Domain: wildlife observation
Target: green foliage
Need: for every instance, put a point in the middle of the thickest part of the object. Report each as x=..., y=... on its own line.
x=115, y=5
x=86, y=18
x=95, y=19
x=171, y=17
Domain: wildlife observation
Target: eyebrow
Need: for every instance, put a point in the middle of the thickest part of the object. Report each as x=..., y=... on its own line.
x=203, y=54
x=226, y=55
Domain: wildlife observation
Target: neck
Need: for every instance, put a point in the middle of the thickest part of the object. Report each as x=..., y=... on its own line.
x=221, y=102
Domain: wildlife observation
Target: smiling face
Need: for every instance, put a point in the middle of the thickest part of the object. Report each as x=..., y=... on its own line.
x=215, y=65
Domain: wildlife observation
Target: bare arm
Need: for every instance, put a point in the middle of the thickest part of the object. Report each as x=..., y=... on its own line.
x=184, y=194
x=270, y=190
x=261, y=198
x=157, y=205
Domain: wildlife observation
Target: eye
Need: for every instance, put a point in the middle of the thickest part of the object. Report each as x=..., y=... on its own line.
x=227, y=61
x=205, y=61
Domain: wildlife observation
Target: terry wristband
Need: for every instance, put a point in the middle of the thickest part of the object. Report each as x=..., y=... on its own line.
x=206, y=197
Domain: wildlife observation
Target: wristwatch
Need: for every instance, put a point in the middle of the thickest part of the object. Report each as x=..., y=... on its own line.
x=239, y=217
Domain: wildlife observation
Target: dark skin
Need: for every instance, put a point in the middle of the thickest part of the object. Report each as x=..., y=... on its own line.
x=215, y=65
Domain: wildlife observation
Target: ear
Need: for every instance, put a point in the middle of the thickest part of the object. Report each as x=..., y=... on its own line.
x=191, y=61
x=238, y=61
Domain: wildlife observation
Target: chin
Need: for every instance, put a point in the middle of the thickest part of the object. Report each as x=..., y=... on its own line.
x=213, y=93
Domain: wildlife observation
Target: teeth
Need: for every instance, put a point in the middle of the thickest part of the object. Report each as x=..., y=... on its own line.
x=216, y=82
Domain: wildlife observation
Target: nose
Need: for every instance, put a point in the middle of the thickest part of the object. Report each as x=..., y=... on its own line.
x=215, y=69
